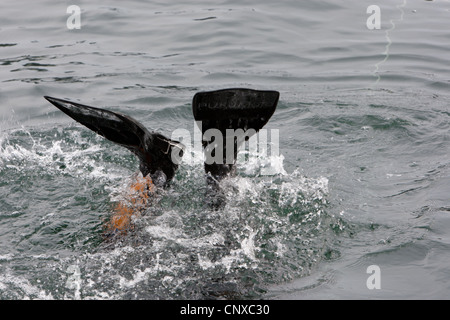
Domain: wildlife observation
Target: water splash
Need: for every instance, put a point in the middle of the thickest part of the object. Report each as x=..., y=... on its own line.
x=54, y=152
x=273, y=228
x=20, y=288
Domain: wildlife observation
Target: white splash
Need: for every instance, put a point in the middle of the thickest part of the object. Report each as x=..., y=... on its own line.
x=25, y=290
x=54, y=156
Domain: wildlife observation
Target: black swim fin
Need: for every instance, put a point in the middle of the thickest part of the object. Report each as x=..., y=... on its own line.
x=231, y=109
x=153, y=149
x=240, y=111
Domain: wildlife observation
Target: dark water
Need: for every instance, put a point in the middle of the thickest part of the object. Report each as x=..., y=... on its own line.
x=362, y=177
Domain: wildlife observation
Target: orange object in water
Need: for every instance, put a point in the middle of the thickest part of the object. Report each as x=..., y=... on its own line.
x=137, y=200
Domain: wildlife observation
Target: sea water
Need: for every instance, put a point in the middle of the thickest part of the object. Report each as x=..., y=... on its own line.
x=356, y=206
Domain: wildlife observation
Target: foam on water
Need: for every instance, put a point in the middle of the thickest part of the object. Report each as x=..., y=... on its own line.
x=179, y=248
x=20, y=150
x=190, y=250
x=22, y=288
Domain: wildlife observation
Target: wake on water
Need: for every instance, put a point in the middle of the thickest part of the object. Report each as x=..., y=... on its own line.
x=273, y=228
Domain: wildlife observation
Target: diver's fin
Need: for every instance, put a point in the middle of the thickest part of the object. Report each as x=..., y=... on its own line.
x=154, y=151
x=245, y=109
x=237, y=108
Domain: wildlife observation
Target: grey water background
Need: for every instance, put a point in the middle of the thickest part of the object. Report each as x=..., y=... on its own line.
x=363, y=176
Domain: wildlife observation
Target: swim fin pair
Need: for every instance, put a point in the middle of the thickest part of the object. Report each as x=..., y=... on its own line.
x=220, y=110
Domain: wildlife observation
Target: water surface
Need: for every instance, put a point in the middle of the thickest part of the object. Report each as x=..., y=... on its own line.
x=362, y=176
